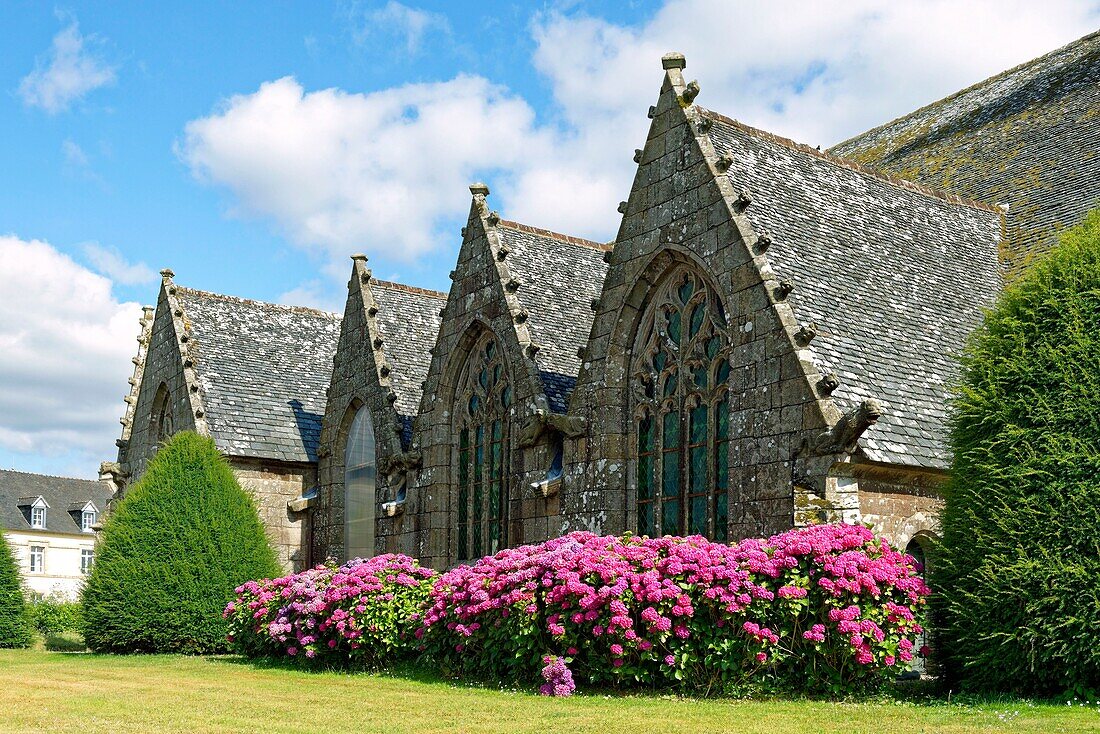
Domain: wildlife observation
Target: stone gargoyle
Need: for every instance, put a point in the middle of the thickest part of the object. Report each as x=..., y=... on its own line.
x=541, y=420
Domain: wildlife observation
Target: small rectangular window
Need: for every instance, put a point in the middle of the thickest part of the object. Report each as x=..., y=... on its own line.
x=38, y=517
x=87, y=520
x=87, y=556
x=38, y=559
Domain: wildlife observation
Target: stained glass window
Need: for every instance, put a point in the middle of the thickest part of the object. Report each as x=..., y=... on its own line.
x=484, y=403
x=681, y=375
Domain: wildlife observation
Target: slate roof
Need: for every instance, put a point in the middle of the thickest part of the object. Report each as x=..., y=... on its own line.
x=895, y=277
x=63, y=494
x=559, y=276
x=263, y=369
x=409, y=320
x=1028, y=137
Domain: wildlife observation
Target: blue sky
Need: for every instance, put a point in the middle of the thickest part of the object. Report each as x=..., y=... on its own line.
x=253, y=147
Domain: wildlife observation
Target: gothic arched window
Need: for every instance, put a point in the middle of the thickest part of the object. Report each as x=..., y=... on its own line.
x=680, y=381
x=360, y=486
x=483, y=403
x=161, y=424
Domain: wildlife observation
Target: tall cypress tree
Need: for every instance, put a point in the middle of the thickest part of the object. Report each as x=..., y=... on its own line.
x=1019, y=565
x=172, y=552
x=15, y=630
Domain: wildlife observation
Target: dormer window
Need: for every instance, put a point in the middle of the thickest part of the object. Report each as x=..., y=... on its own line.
x=87, y=520
x=38, y=517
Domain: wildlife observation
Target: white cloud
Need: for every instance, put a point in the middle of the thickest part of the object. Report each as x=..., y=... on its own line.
x=384, y=172
x=395, y=19
x=74, y=154
x=65, y=344
x=315, y=294
x=69, y=73
x=379, y=171
x=110, y=262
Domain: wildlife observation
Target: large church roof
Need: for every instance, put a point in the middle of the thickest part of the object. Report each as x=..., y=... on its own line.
x=1028, y=137
x=409, y=319
x=263, y=369
x=894, y=276
x=560, y=277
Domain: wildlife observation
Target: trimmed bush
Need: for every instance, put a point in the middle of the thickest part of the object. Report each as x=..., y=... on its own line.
x=171, y=553
x=51, y=615
x=14, y=629
x=364, y=612
x=826, y=609
x=1018, y=570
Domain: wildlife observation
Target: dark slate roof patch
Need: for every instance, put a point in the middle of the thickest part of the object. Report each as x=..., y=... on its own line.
x=65, y=496
x=1028, y=138
x=560, y=276
x=263, y=369
x=409, y=320
x=894, y=275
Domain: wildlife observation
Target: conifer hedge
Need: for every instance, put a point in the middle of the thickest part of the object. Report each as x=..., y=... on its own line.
x=1018, y=575
x=15, y=630
x=172, y=552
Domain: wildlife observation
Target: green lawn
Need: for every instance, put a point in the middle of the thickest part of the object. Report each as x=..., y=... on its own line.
x=88, y=693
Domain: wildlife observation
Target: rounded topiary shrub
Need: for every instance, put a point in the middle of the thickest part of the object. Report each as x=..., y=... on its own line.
x=172, y=552
x=1018, y=571
x=15, y=630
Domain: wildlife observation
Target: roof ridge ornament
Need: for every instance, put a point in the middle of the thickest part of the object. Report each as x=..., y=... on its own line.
x=673, y=60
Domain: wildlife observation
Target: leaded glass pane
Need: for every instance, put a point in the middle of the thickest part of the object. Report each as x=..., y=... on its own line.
x=670, y=474
x=645, y=478
x=698, y=524
x=670, y=517
x=645, y=520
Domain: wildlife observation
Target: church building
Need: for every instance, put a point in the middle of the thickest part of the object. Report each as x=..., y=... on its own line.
x=768, y=341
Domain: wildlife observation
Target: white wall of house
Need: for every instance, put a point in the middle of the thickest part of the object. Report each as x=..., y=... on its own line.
x=61, y=572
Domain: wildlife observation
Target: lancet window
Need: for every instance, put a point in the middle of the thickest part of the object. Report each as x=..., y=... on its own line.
x=483, y=404
x=680, y=384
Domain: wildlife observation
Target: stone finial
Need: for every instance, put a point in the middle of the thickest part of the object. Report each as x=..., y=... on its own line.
x=479, y=189
x=691, y=91
x=366, y=276
x=595, y=304
x=652, y=112
x=463, y=231
x=581, y=351
x=532, y=349
x=384, y=370
x=673, y=60
x=359, y=256
x=377, y=342
x=167, y=274
x=148, y=312
x=512, y=285
x=520, y=316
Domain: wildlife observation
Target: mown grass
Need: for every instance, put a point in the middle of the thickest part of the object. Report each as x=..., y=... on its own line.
x=85, y=693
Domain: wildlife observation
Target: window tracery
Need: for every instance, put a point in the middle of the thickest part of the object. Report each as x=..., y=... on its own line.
x=483, y=405
x=680, y=380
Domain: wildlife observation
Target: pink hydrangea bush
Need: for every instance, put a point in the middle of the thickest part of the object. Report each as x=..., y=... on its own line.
x=825, y=609
x=365, y=611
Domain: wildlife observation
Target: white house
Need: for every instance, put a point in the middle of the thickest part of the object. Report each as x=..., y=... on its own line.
x=49, y=524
